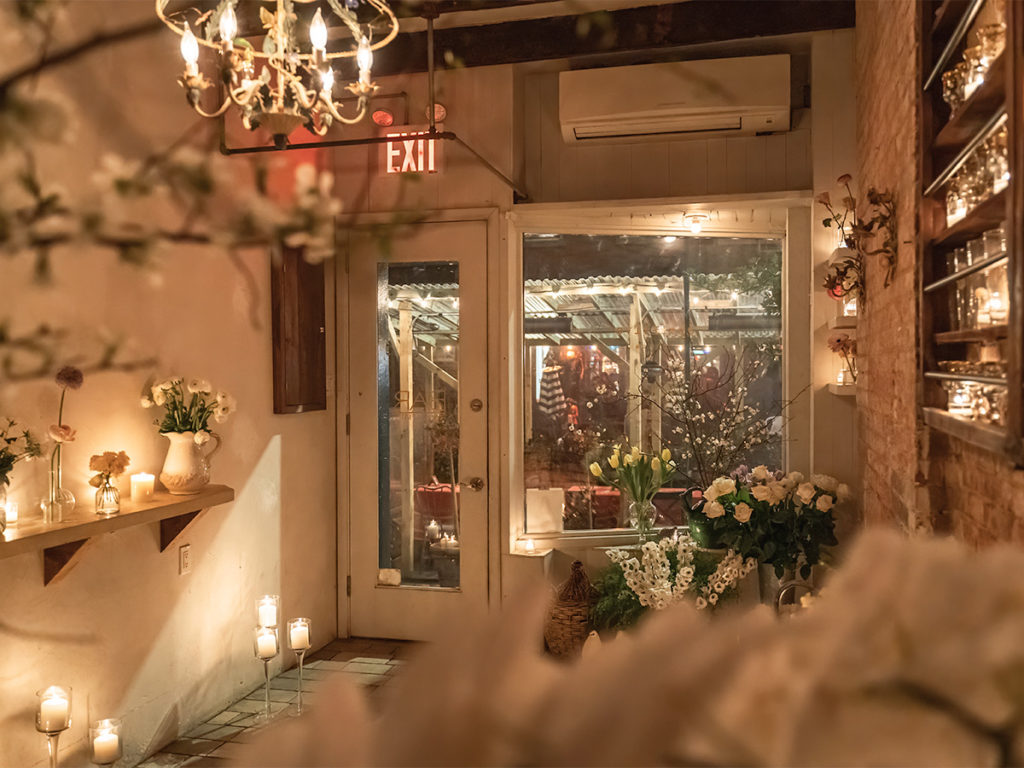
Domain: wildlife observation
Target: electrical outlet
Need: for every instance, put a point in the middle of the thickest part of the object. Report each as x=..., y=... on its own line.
x=184, y=559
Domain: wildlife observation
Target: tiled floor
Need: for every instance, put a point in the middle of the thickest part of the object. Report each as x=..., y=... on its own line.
x=370, y=663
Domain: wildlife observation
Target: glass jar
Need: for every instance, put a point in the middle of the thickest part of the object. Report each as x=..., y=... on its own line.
x=975, y=69
x=992, y=39
x=951, y=89
x=108, y=500
x=995, y=242
x=959, y=399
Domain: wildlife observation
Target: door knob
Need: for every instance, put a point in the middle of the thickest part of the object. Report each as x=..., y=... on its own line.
x=474, y=484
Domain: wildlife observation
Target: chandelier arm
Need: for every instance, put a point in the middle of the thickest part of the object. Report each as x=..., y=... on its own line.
x=307, y=98
x=332, y=108
x=220, y=110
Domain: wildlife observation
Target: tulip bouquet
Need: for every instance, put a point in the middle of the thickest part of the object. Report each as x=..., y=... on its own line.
x=782, y=520
x=637, y=476
x=189, y=407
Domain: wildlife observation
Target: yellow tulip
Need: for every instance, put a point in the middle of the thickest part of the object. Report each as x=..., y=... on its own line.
x=666, y=454
x=595, y=469
x=613, y=462
x=636, y=452
x=655, y=464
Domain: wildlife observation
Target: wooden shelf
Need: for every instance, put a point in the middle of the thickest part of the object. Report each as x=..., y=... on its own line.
x=988, y=335
x=843, y=324
x=843, y=390
x=965, y=123
x=987, y=215
x=977, y=433
x=61, y=543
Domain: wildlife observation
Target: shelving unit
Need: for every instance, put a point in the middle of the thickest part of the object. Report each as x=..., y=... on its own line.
x=946, y=141
x=843, y=390
x=61, y=543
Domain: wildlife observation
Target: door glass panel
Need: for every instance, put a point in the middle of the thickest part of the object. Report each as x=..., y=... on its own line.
x=418, y=424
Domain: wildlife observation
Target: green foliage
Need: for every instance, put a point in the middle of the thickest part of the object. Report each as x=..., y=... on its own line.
x=15, y=445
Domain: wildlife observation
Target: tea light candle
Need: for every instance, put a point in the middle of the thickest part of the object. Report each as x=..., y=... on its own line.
x=266, y=611
x=850, y=307
x=54, y=709
x=433, y=531
x=106, y=742
x=142, y=487
x=11, y=513
x=266, y=643
x=530, y=547
x=298, y=634
x=997, y=311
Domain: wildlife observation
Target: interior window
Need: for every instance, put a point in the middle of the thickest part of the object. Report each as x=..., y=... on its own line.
x=667, y=342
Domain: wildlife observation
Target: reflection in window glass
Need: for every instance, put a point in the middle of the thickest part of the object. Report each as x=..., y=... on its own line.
x=418, y=428
x=664, y=341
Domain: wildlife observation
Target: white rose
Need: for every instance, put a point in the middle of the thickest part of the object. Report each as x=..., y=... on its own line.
x=824, y=503
x=159, y=398
x=199, y=387
x=760, y=472
x=761, y=492
x=714, y=509
x=795, y=478
x=779, y=491
x=202, y=437
x=843, y=492
x=722, y=486
x=825, y=482
x=806, y=492
x=146, y=402
x=742, y=512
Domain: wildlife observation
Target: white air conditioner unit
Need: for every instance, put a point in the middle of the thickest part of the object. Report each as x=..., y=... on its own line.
x=677, y=100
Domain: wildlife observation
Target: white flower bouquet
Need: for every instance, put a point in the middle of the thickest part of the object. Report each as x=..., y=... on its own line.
x=189, y=407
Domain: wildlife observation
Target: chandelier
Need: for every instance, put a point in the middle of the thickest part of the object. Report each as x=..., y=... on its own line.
x=289, y=81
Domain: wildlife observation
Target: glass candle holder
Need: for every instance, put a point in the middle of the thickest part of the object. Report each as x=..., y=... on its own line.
x=976, y=69
x=992, y=39
x=268, y=610
x=11, y=513
x=108, y=500
x=299, y=642
x=105, y=741
x=142, y=487
x=960, y=400
x=53, y=716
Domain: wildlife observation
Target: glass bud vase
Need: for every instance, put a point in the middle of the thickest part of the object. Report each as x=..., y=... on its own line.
x=642, y=515
x=108, y=500
x=59, y=500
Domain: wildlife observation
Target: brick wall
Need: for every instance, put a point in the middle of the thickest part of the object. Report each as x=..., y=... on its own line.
x=913, y=479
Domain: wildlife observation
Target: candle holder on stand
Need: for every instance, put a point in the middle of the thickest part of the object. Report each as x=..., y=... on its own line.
x=53, y=716
x=105, y=738
x=266, y=647
x=298, y=641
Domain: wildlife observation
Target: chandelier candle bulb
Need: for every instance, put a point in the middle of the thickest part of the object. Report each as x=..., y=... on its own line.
x=327, y=82
x=318, y=32
x=190, y=51
x=266, y=610
x=228, y=26
x=364, y=60
x=142, y=487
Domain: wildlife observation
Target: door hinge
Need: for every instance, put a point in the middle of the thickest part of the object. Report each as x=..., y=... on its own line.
x=348, y=586
x=348, y=423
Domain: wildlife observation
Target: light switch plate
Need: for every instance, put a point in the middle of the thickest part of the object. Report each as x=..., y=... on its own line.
x=184, y=559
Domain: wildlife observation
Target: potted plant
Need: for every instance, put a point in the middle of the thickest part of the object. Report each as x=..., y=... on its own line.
x=186, y=424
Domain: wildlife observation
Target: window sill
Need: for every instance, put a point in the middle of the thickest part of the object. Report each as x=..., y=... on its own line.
x=61, y=542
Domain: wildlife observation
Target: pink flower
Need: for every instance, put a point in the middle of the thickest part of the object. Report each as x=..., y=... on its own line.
x=62, y=433
x=845, y=179
x=824, y=198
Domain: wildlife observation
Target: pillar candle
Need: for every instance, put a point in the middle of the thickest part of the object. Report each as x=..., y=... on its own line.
x=266, y=645
x=106, y=747
x=299, y=636
x=53, y=711
x=142, y=487
x=267, y=612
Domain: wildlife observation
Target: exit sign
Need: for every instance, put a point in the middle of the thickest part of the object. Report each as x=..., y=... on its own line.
x=410, y=151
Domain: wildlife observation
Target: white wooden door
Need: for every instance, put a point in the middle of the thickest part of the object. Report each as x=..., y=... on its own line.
x=418, y=466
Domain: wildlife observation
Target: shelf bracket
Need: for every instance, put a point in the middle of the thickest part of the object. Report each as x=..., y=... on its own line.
x=170, y=527
x=57, y=560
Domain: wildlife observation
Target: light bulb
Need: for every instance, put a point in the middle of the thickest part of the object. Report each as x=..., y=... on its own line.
x=189, y=47
x=327, y=80
x=364, y=56
x=695, y=224
x=669, y=238
x=318, y=32
x=228, y=24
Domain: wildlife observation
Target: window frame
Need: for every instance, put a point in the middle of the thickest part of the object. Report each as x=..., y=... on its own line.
x=649, y=218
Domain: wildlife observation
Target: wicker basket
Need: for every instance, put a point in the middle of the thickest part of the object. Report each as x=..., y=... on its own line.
x=569, y=621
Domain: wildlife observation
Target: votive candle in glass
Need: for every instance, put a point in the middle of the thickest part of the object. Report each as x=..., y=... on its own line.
x=142, y=487
x=298, y=634
x=53, y=714
x=11, y=513
x=268, y=610
x=105, y=738
x=266, y=646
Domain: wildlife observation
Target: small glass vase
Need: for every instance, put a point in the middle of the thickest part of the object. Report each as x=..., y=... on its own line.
x=642, y=516
x=59, y=500
x=108, y=500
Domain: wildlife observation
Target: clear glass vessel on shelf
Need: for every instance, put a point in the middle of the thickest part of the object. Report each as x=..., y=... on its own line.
x=985, y=173
x=961, y=81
